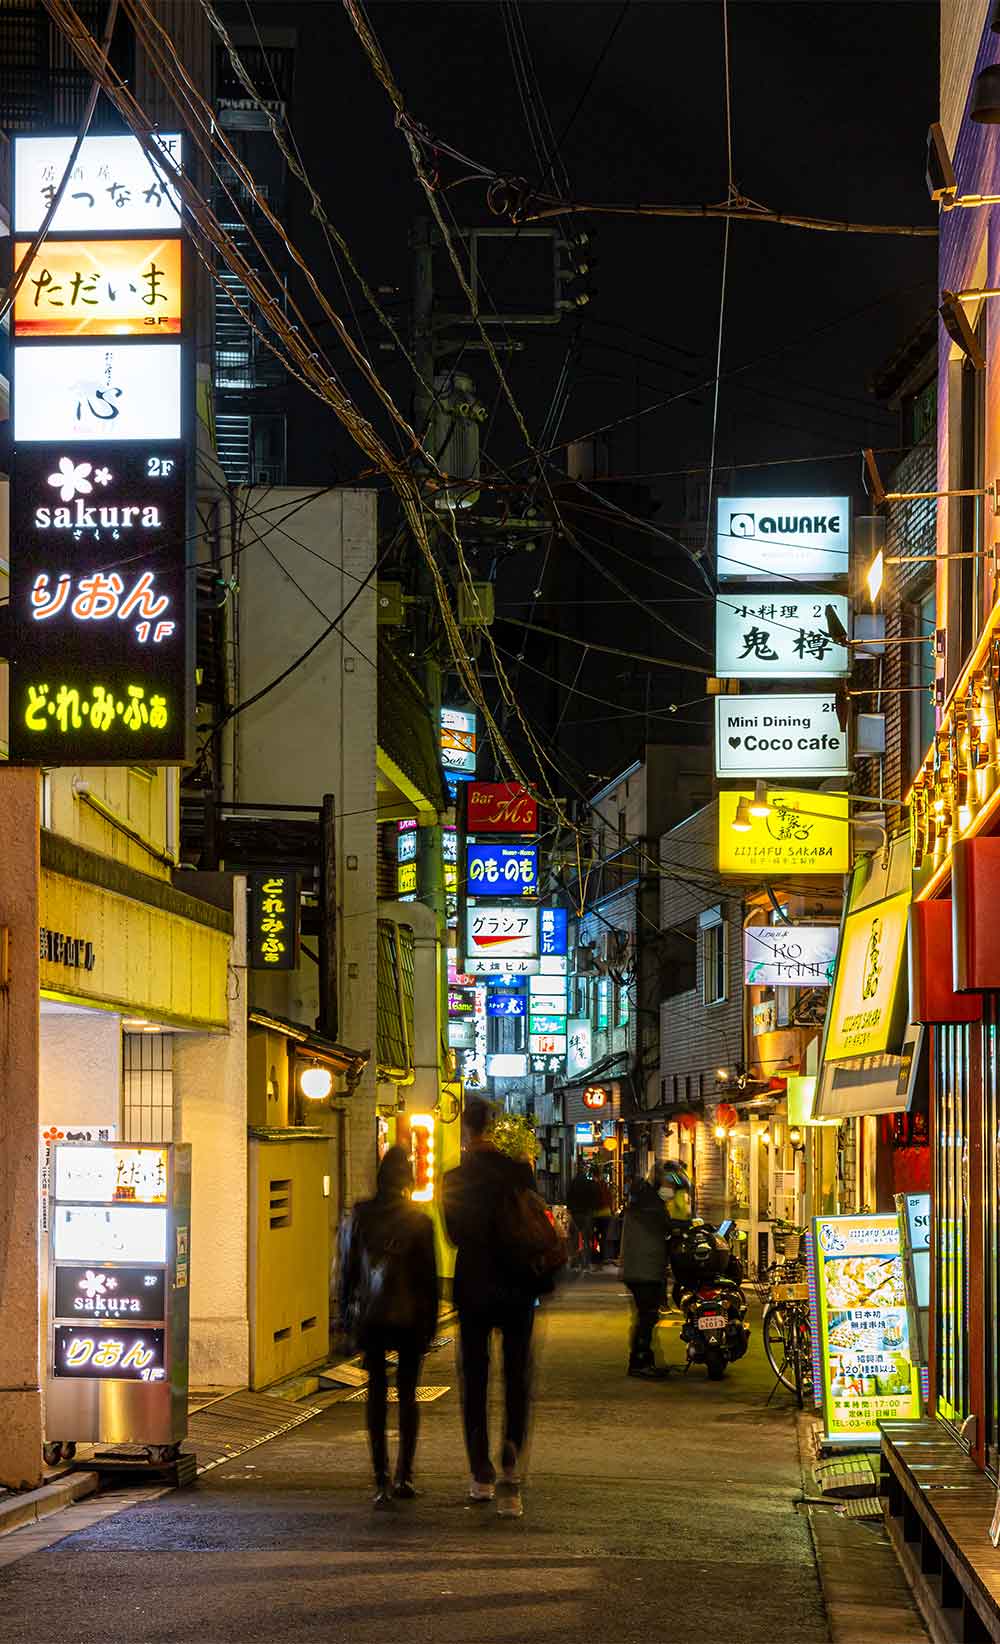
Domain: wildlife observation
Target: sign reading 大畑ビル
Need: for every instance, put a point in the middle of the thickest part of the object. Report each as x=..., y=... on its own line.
x=99, y=604
x=274, y=920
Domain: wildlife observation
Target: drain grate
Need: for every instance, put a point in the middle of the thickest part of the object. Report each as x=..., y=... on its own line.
x=861, y=1507
x=425, y=1395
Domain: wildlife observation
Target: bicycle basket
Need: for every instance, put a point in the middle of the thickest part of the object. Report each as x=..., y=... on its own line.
x=790, y=1292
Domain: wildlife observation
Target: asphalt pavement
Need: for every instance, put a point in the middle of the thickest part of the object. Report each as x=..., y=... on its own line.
x=653, y=1510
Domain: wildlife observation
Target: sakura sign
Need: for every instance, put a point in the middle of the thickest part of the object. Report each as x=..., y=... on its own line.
x=99, y=604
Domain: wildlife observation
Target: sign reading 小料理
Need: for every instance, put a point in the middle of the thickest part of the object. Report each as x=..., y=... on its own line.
x=789, y=956
x=799, y=539
x=274, y=920
x=510, y=870
x=783, y=635
x=99, y=604
x=867, y=1374
x=804, y=832
x=113, y=187
x=779, y=736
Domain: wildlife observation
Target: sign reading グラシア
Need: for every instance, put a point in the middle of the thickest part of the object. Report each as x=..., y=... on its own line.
x=865, y=1004
x=804, y=539
x=493, y=930
x=803, y=833
x=779, y=636
x=274, y=922
x=95, y=288
x=779, y=736
x=113, y=186
x=864, y=1330
x=789, y=956
x=99, y=604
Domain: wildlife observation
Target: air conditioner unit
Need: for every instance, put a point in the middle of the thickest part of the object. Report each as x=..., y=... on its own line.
x=475, y=605
x=389, y=605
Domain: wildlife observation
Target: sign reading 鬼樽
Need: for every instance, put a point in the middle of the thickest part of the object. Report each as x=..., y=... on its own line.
x=496, y=931
x=509, y=869
x=500, y=807
x=866, y=1005
x=274, y=920
x=863, y=1326
x=780, y=636
x=99, y=604
x=779, y=736
x=94, y=288
x=113, y=187
x=803, y=832
x=801, y=539
x=789, y=956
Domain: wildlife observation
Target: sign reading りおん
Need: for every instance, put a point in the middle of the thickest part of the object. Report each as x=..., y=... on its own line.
x=799, y=539
x=779, y=736
x=500, y=807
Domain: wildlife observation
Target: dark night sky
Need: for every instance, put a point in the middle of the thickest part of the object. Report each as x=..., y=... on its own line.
x=831, y=104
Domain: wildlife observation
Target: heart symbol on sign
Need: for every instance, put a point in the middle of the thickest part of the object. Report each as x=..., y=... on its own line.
x=735, y=741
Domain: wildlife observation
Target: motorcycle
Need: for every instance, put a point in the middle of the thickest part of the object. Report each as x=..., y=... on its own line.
x=707, y=1288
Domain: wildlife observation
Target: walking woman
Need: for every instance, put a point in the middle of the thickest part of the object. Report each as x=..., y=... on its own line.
x=644, y=1268
x=389, y=1302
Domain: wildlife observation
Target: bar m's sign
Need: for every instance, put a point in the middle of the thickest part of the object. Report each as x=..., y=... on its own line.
x=500, y=807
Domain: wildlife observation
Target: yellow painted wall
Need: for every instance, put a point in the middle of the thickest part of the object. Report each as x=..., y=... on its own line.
x=144, y=798
x=148, y=961
x=267, y=1077
x=289, y=1265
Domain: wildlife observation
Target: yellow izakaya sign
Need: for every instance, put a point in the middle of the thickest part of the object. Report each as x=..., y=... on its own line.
x=803, y=832
x=867, y=981
x=77, y=288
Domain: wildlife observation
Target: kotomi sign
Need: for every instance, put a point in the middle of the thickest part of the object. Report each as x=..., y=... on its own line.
x=804, y=539
x=778, y=736
x=789, y=956
x=779, y=636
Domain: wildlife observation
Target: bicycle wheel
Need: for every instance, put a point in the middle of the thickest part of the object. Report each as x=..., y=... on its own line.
x=775, y=1325
x=804, y=1351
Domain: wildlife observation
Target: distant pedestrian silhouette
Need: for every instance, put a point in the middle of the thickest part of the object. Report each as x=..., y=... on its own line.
x=389, y=1302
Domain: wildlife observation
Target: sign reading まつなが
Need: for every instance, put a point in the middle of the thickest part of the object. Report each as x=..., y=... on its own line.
x=779, y=736
x=100, y=604
x=804, y=832
x=274, y=921
x=113, y=186
x=801, y=539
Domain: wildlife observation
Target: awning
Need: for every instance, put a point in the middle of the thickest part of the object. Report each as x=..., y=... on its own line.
x=316, y=1046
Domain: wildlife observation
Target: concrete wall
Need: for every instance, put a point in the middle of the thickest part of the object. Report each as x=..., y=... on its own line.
x=210, y=1112
x=80, y=1067
x=316, y=734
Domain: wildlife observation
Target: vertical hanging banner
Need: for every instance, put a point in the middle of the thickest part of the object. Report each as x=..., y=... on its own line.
x=101, y=477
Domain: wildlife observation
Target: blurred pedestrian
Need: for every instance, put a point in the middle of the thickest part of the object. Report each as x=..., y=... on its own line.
x=645, y=1236
x=604, y=1209
x=389, y=1302
x=581, y=1202
x=507, y=1251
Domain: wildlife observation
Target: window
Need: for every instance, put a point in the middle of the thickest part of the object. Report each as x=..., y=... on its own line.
x=623, y=1005
x=713, y=957
x=603, y=1002
x=922, y=673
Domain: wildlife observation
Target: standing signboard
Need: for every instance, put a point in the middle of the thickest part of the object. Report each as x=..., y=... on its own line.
x=119, y=1276
x=867, y=1373
x=101, y=590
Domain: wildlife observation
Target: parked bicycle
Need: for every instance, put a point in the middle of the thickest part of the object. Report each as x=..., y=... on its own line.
x=786, y=1322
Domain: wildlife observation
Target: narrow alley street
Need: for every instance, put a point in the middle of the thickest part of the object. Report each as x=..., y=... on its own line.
x=653, y=1510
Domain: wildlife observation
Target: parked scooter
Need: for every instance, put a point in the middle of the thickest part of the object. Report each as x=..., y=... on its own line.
x=707, y=1289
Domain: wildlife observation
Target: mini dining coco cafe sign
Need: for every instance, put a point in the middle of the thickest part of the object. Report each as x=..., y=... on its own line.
x=101, y=591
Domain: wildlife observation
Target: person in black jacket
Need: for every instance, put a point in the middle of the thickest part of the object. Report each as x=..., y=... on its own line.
x=645, y=1237
x=492, y=1292
x=389, y=1300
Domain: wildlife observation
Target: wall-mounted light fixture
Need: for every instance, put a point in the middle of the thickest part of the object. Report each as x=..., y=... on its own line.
x=316, y=1082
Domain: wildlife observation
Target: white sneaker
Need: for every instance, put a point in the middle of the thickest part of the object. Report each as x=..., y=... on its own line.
x=509, y=1503
x=480, y=1492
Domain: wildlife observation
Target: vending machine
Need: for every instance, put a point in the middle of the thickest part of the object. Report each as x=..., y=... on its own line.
x=119, y=1270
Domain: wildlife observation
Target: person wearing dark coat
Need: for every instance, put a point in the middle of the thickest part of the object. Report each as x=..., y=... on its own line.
x=389, y=1302
x=645, y=1236
x=581, y=1202
x=491, y=1293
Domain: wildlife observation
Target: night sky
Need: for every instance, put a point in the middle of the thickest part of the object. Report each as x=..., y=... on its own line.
x=831, y=105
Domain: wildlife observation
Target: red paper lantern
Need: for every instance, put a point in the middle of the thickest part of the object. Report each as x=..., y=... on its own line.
x=726, y=1115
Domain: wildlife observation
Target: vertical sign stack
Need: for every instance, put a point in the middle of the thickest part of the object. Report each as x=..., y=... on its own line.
x=103, y=412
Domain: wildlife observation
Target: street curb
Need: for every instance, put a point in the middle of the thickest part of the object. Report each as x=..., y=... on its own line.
x=50, y=1498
